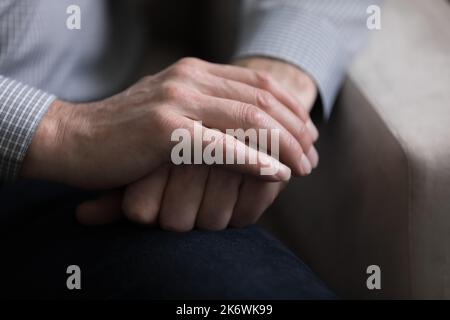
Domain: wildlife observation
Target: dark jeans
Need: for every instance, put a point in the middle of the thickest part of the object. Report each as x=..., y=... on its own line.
x=40, y=239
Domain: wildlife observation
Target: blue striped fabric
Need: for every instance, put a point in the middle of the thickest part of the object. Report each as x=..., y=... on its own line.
x=21, y=108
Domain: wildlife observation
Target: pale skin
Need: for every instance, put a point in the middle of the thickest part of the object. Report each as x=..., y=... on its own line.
x=123, y=144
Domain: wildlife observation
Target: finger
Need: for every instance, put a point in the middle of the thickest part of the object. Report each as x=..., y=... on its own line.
x=262, y=80
x=186, y=67
x=219, y=199
x=228, y=151
x=233, y=90
x=313, y=130
x=182, y=197
x=255, y=197
x=142, y=199
x=225, y=114
x=103, y=210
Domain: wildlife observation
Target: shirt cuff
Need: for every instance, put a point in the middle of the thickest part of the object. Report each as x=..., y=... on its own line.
x=21, y=109
x=302, y=39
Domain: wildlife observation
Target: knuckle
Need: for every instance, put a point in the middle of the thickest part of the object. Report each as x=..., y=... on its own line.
x=188, y=62
x=180, y=70
x=139, y=214
x=172, y=91
x=304, y=135
x=292, y=144
x=301, y=129
x=146, y=78
x=303, y=113
x=186, y=68
x=249, y=114
x=264, y=79
x=264, y=98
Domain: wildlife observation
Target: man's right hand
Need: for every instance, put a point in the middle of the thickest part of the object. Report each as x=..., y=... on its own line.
x=116, y=141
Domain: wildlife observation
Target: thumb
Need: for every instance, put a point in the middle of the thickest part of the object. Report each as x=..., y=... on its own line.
x=103, y=210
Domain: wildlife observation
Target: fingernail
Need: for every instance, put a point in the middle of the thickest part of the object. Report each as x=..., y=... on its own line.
x=312, y=129
x=284, y=173
x=313, y=157
x=305, y=165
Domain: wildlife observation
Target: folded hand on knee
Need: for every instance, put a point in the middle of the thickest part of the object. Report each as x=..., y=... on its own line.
x=183, y=197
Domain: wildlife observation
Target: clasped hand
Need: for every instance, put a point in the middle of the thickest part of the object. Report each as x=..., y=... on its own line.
x=123, y=144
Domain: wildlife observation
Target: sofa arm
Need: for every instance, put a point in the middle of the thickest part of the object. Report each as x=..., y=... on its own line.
x=381, y=194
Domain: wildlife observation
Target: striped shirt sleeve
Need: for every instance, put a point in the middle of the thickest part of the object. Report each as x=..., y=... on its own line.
x=318, y=36
x=21, y=109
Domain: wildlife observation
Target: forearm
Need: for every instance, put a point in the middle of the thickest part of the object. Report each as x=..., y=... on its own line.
x=47, y=155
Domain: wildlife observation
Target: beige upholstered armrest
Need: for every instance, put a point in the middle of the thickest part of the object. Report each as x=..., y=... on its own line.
x=382, y=192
